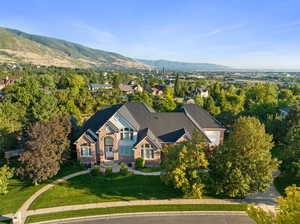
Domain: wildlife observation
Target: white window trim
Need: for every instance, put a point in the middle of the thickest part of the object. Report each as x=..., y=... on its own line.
x=150, y=151
x=85, y=148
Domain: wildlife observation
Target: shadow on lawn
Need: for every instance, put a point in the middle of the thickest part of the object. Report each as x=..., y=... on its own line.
x=124, y=188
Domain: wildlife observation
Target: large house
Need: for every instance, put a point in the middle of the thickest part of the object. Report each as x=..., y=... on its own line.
x=125, y=132
x=284, y=111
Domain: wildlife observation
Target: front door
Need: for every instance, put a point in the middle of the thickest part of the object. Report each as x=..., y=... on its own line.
x=108, y=148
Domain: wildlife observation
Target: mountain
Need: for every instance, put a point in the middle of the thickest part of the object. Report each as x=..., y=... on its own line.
x=182, y=66
x=20, y=47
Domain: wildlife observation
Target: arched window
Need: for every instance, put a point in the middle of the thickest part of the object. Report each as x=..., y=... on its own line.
x=147, y=152
x=126, y=134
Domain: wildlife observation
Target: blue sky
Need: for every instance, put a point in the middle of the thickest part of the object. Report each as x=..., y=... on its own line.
x=240, y=33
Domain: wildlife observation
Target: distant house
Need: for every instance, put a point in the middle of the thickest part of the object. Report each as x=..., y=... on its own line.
x=284, y=111
x=94, y=86
x=199, y=92
x=125, y=132
x=7, y=81
x=157, y=90
x=130, y=87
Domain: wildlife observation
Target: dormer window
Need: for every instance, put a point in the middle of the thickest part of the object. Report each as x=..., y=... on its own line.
x=126, y=134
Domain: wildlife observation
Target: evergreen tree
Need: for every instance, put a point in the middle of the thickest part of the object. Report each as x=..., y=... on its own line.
x=177, y=86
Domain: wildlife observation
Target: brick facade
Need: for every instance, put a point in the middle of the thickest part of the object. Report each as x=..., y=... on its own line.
x=84, y=141
x=102, y=134
x=157, y=154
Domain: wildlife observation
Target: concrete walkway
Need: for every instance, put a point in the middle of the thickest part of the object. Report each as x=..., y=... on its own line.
x=137, y=172
x=22, y=212
x=131, y=203
x=266, y=200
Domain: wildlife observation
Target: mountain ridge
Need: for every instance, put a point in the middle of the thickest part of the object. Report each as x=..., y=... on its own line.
x=20, y=47
x=182, y=66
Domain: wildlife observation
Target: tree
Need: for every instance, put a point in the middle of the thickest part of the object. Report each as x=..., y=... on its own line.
x=44, y=108
x=177, y=86
x=211, y=107
x=46, y=149
x=288, y=209
x=166, y=102
x=185, y=166
x=5, y=174
x=244, y=164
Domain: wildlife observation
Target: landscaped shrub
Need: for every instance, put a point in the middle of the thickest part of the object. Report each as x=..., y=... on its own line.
x=96, y=171
x=139, y=163
x=108, y=171
x=123, y=169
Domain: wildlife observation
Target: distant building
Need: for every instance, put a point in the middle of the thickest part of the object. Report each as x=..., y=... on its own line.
x=94, y=86
x=7, y=81
x=284, y=111
x=157, y=90
x=130, y=87
x=199, y=92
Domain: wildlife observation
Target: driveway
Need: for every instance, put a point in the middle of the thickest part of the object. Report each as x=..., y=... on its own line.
x=166, y=218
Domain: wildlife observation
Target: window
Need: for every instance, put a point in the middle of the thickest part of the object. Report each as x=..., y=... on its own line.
x=108, y=144
x=85, y=151
x=147, y=151
x=126, y=134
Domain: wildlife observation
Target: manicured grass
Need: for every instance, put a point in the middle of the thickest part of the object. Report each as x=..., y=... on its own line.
x=19, y=191
x=131, y=209
x=150, y=169
x=284, y=180
x=91, y=189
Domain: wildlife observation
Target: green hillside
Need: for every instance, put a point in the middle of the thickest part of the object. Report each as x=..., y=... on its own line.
x=17, y=46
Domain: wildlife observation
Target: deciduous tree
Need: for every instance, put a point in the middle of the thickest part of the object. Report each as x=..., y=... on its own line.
x=5, y=174
x=244, y=164
x=45, y=149
x=185, y=166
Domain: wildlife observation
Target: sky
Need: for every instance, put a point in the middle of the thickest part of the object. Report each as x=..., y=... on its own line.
x=239, y=33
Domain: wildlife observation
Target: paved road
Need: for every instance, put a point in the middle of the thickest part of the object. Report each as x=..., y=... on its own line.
x=188, y=218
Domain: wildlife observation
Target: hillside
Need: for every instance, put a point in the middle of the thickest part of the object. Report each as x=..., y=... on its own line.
x=182, y=66
x=19, y=47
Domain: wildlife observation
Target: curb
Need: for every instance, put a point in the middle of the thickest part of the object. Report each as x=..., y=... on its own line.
x=141, y=214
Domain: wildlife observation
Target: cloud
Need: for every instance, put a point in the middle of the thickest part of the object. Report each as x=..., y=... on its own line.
x=222, y=29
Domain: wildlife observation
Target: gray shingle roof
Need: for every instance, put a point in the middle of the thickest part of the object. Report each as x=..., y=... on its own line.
x=158, y=126
x=100, y=117
x=200, y=116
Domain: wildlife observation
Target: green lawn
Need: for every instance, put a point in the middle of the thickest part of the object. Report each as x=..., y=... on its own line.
x=130, y=209
x=284, y=180
x=91, y=189
x=19, y=191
